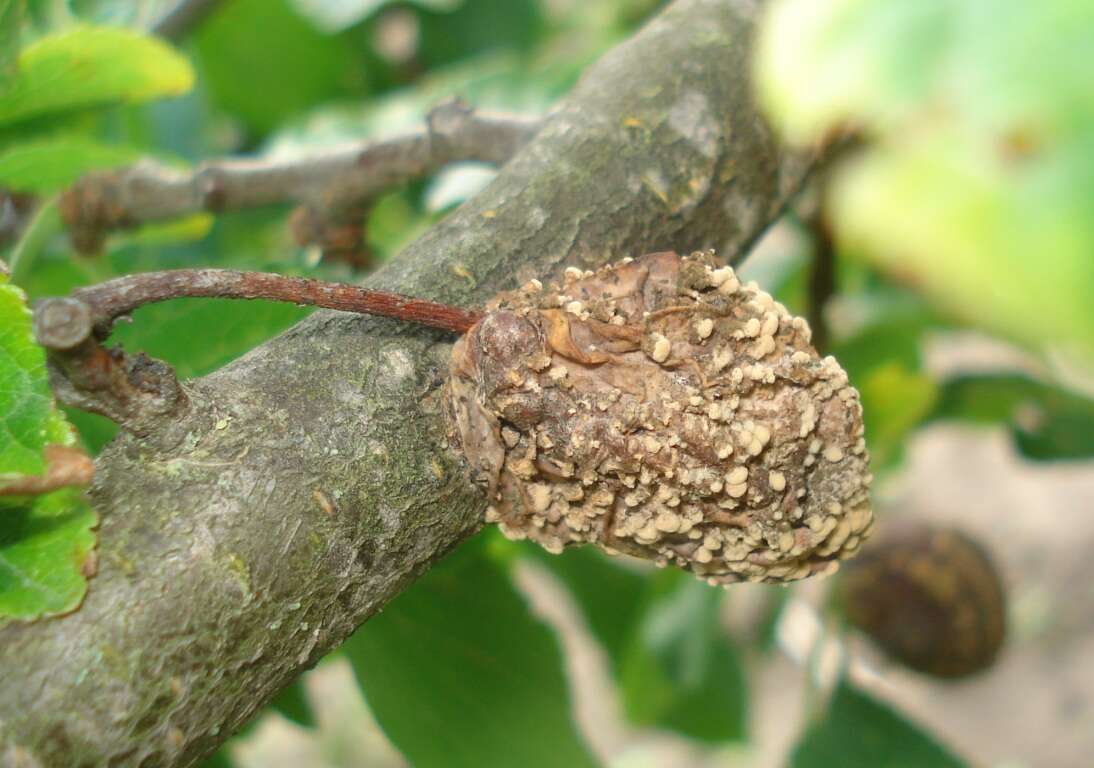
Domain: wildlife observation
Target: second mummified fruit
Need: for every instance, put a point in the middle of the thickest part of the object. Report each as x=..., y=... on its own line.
x=929, y=596
x=660, y=408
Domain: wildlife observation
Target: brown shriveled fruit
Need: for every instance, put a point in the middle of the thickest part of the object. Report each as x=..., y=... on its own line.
x=659, y=408
x=930, y=597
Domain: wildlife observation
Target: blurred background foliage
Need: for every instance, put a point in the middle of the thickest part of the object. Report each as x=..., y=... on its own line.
x=963, y=203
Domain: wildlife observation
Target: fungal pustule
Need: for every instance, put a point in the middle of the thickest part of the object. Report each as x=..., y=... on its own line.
x=645, y=417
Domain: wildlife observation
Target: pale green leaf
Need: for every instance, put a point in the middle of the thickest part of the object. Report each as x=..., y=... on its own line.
x=47, y=165
x=11, y=27
x=92, y=66
x=978, y=169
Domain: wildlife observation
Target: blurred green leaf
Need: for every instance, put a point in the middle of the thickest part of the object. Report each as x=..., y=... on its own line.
x=262, y=79
x=92, y=66
x=11, y=27
x=682, y=672
x=1047, y=422
x=675, y=666
x=883, y=362
x=48, y=165
x=200, y=335
x=459, y=673
x=894, y=401
x=448, y=36
x=222, y=758
x=44, y=540
x=858, y=731
x=336, y=15
x=292, y=702
x=39, y=234
x=978, y=169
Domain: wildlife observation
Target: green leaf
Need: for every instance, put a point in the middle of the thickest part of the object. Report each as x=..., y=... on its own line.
x=48, y=165
x=222, y=758
x=45, y=541
x=857, y=731
x=92, y=66
x=44, y=547
x=675, y=667
x=883, y=362
x=259, y=88
x=29, y=421
x=1046, y=422
x=460, y=675
x=11, y=27
x=682, y=672
x=894, y=401
x=978, y=168
x=460, y=33
x=292, y=702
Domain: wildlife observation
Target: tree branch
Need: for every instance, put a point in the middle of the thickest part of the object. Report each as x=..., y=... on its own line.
x=328, y=184
x=220, y=576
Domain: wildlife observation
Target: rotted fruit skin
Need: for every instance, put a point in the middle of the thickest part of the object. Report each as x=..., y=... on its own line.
x=660, y=408
x=930, y=597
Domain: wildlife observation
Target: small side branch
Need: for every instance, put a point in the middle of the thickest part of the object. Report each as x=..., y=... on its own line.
x=136, y=391
x=115, y=298
x=65, y=466
x=329, y=185
x=822, y=271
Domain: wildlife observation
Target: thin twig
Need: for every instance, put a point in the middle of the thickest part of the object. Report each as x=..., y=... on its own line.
x=822, y=271
x=136, y=391
x=329, y=182
x=121, y=296
x=65, y=466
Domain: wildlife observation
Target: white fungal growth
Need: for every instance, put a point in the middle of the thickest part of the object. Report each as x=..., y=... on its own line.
x=661, y=348
x=704, y=327
x=777, y=480
x=644, y=409
x=737, y=475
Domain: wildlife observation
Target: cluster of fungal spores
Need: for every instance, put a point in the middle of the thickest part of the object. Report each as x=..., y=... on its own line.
x=660, y=408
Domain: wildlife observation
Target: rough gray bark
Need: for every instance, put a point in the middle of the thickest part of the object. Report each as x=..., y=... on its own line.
x=308, y=482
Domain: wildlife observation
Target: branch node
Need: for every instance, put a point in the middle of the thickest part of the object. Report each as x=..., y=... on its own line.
x=132, y=391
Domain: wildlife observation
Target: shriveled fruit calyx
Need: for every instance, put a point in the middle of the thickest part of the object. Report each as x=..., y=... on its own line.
x=658, y=407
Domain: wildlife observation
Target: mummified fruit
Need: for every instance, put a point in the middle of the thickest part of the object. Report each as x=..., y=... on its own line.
x=930, y=597
x=660, y=408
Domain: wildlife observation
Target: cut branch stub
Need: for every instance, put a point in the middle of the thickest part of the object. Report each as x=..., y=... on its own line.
x=662, y=409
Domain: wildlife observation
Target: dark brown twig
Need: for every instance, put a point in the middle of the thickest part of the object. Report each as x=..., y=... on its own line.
x=121, y=296
x=132, y=390
x=334, y=181
x=822, y=271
